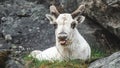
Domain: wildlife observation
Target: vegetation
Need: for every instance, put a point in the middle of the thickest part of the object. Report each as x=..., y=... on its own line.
x=34, y=63
x=56, y=64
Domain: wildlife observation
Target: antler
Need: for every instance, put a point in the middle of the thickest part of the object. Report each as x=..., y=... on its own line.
x=54, y=10
x=80, y=9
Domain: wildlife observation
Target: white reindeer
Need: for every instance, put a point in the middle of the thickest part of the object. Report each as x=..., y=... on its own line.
x=69, y=42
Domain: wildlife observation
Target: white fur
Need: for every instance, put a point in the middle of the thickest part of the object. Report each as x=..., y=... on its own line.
x=77, y=47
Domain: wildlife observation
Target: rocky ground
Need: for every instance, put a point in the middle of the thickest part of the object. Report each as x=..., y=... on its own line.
x=24, y=27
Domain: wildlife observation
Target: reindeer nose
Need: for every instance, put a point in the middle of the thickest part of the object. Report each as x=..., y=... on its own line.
x=62, y=36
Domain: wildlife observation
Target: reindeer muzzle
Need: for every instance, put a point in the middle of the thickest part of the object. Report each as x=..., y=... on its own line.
x=62, y=38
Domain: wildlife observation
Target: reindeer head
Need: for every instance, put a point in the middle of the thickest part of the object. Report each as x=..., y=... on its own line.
x=65, y=23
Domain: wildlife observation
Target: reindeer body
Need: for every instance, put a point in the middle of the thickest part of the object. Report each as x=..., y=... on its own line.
x=78, y=49
x=69, y=42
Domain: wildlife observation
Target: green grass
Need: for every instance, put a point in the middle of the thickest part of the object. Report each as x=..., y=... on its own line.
x=34, y=63
x=56, y=64
x=96, y=54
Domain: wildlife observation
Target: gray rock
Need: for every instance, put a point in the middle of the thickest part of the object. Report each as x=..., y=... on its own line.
x=112, y=61
x=111, y=2
x=68, y=5
x=8, y=37
x=1, y=45
x=14, y=64
x=106, y=13
x=26, y=24
x=38, y=1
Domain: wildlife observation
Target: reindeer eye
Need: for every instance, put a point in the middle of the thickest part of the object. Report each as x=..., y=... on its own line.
x=55, y=26
x=73, y=24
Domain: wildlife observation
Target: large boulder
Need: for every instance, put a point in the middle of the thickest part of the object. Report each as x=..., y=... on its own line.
x=106, y=13
x=24, y=23
x=112, y=61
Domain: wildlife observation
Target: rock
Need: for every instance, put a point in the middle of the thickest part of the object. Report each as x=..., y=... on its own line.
x=14, y=64
x=8, y=37
x=1, y=45
x=111, y=2
x=106, y=13
x=112, y=61
x=27, y=25
x=3, y=0
x=38, y=1
x=69, y=5
x=8, y=60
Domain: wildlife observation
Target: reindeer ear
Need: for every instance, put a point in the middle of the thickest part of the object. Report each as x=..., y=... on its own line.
x=80, y=19
x=51, y=18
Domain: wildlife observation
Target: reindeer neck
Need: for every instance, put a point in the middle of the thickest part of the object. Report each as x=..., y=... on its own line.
x=77, y=37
